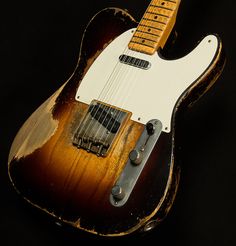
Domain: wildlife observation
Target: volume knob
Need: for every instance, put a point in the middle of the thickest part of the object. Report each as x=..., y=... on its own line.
x=136, y=157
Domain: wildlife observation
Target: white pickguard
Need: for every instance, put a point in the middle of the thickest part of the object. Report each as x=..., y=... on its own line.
x=148, y=94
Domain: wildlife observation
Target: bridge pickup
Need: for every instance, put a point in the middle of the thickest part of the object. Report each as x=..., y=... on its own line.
x=133, y=61
x=99, y=127
x=106, y=116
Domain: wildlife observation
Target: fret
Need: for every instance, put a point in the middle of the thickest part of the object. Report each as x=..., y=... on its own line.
x=171, y=1
x=149, y=29
x=155, y=21
x=143, y=41
x=160, y=15
x=141, y=48
x=163, y=12
x=164, y=4
x=155, y=26
x=146, y=36
x=155, y=17
x=161, y=7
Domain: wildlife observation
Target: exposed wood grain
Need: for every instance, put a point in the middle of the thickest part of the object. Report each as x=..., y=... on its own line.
x=37, y=130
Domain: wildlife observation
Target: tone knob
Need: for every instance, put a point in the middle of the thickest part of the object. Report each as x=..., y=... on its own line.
x=117, y=192
x=135, y=157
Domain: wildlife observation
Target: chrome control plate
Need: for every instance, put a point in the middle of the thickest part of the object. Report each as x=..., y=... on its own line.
x=132, y=170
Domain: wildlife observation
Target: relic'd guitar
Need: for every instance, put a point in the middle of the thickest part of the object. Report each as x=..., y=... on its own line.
x=99, y=153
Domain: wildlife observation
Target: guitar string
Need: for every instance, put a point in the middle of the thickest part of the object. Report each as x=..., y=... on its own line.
x=109, y=95
x=118, y=117
x=130, y=58
x=102, y=97
x=114, y=89
x=141, y=36
x=124, y=81
x=107, y=86
x=109, y=82
x=133, y=45
x=148, y=15
x=109, y=108
x=141, y=33
x=81, y=128
x=120, y=113
x=145, y=21
x=94, y=109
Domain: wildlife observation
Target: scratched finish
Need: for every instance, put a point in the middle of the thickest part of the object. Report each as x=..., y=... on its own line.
x=73, y=185
x=32, y=135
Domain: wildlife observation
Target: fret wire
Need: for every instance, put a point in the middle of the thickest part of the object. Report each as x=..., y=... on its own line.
x=158, y=28
x=155, y=21
x=145, y=38
x=142, y=44
x=157, y=18
x=156, y=10
x=166, y=2
x=154, y=27
x=149, y=33
x=170, y=1
x=158, y=14
x=161, y=7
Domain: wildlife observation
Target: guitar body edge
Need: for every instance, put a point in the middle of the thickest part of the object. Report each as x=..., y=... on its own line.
x=74, y=186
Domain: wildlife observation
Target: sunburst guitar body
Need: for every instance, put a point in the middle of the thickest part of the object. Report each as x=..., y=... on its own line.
x=99, y=154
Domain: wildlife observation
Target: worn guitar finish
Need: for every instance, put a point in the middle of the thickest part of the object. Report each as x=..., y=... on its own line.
x=74, y=185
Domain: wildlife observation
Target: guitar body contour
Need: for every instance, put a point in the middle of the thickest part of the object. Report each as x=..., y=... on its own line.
x=74, y=185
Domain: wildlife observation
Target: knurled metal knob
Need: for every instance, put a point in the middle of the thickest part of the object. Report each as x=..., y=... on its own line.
x=117, y=192
x=136, y=156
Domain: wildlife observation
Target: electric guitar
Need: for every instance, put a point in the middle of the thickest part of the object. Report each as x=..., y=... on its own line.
x=99, y=154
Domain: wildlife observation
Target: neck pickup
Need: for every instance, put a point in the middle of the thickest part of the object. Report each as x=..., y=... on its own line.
x=133, y=61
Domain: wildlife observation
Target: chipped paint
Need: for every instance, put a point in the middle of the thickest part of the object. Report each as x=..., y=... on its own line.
x=36, y=131
x=41, y=126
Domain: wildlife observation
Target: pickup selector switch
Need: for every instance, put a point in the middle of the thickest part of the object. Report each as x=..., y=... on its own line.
x=150, y=128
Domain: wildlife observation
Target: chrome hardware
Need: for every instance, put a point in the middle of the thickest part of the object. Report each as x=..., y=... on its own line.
x=117, y=192
x=58, y=223
x=150, y=225
x=98, y=128
x=135, y=62
x=138, y=157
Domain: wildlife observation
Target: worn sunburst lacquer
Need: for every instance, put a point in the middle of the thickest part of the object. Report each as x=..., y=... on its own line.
x=87, y=141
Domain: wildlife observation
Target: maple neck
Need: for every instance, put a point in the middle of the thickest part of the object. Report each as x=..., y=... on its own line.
x=155, y=26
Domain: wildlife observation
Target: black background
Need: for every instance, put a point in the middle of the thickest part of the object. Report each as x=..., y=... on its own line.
x=39, y=47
